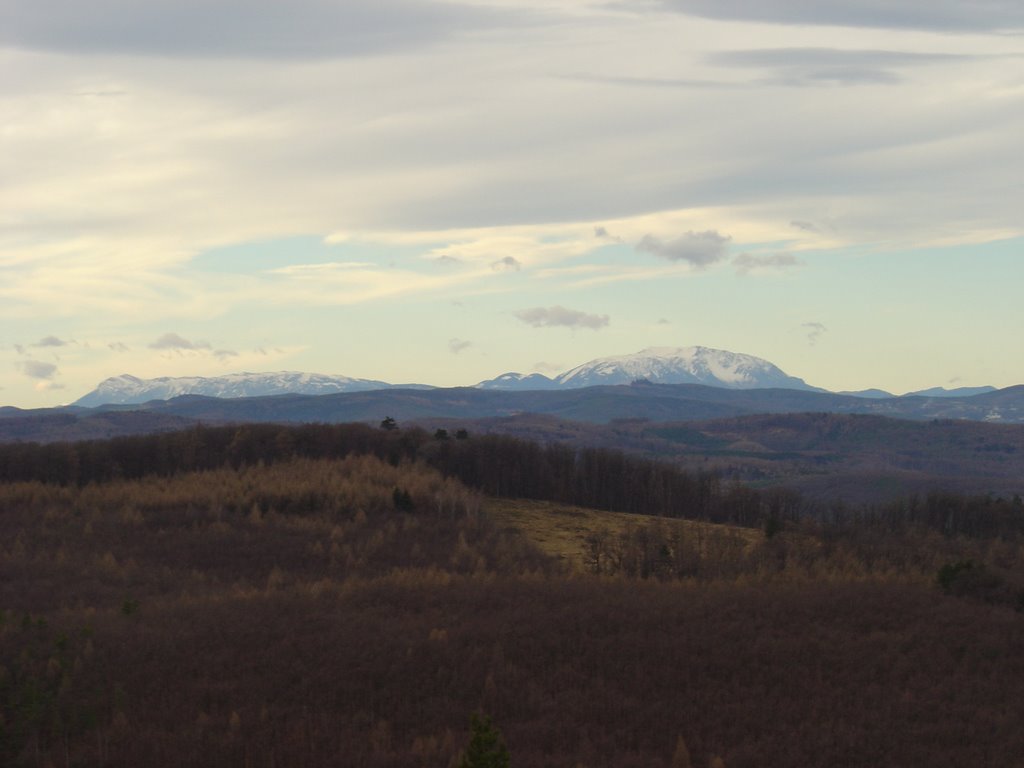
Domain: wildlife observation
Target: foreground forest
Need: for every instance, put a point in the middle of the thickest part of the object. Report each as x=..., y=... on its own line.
x=347, y=596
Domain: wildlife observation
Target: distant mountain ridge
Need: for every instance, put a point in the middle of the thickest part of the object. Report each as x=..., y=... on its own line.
x=439, y=406
x=957, y=392
x=130, y=390
x=656, y=365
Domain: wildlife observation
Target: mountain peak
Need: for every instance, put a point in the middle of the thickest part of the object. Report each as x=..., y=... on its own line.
x=683, y=365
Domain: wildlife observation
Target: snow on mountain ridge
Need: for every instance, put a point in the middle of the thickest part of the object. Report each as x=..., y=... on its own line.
x=659, y=365
x=682, y=365
x=127, y=389
x=518, y=381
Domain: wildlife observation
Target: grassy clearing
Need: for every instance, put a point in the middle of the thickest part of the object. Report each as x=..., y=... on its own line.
x=561, y=530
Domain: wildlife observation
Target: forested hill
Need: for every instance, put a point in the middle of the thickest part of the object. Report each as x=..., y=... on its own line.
x=497, y=465
x=323, y=595
x=599, y=405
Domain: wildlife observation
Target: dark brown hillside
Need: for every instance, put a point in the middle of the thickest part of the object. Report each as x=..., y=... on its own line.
x=325, y=595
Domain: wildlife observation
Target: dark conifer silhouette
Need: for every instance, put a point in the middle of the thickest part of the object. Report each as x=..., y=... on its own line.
x=486, y=745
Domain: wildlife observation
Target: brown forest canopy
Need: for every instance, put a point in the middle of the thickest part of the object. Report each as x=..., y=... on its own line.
x=227, y=597
x=499, y=466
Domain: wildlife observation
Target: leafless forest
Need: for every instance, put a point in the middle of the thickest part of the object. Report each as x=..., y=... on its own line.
x=337, y=596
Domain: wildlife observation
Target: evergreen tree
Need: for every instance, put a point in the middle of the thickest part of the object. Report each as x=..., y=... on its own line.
x=486, y=746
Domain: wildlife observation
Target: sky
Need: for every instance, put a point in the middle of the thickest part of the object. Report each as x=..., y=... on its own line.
x=440, y=192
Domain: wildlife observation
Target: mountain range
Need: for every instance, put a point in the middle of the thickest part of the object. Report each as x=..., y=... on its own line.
x=126, y=389
x=705, y=409
x=656, y=365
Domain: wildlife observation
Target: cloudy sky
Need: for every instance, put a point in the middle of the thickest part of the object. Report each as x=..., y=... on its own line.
x=440, y=192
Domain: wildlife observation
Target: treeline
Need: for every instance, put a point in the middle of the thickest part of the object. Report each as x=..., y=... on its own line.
x=953, y=514
x=500, y=466
x=496, y=465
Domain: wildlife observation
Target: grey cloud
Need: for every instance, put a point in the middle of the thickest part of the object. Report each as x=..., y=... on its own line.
x=814, y=331
x=50, y=341
x=224, y=354
x=447, y=260
x=697, y=248
x=935, y=15
x=457, y=345
x=118, y=346
x=174, y=341
x=746, y=262
x=601, y=233
x=664, y=321
x=509, y=263
x=302, y=29
x=817, y=66
x=19, y=349
x=806, y=226
x=546, y=317
x=36, y=369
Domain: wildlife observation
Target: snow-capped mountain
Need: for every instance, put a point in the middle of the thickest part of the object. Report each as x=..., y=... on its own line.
x=516, y=381
x=127, y=389
x=658, y=365
x=683, y=365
